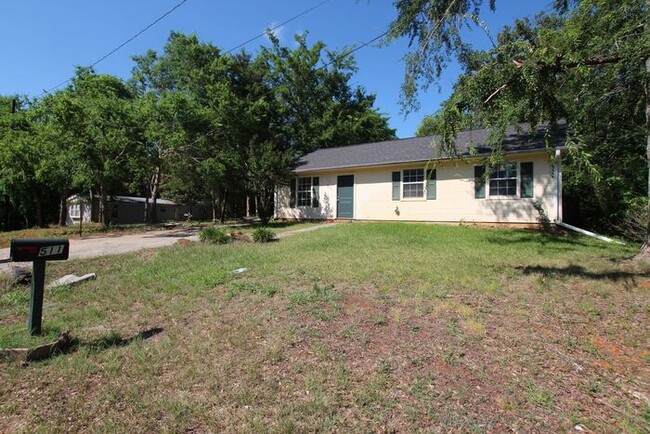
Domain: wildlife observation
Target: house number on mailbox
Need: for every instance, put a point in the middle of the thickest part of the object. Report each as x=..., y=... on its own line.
x=51, y=250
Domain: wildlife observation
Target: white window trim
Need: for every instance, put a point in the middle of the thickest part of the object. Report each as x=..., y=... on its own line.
x=309, y=191
x=423, y=182
x=518, y=186
x=75, y=211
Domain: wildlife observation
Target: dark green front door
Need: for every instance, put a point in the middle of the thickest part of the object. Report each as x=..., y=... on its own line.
x=345, y=197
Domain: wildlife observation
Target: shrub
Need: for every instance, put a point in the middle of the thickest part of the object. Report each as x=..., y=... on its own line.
x=633, y=225
x=214, y=236
x=542, y=217
x=263, y=235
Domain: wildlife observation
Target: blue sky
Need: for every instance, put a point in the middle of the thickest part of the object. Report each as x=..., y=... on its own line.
x=43, y=40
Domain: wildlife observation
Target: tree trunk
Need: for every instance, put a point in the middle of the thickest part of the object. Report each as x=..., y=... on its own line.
x=7, y=217
x=154, y=188
x=38, y=205
x=63, y=209
x=213, y=199
x=224, y=202
x=645, y=250
x=102, y=216
x=646, y=246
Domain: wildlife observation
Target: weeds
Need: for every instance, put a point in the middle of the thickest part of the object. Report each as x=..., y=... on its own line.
x=263, y=235
x=214, y=235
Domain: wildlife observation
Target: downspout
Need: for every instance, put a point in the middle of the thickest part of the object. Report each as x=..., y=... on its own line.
x=585, y=232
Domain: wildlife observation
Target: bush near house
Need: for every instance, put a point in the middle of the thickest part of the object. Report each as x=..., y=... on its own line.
x=214, y=236
x=263, y=235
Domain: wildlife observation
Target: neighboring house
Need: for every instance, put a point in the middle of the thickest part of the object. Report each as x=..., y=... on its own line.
x=129, y=210
x=410, y=180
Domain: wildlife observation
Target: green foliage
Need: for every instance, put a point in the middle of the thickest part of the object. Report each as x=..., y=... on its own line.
x=582, y=63
x=214, y=235
x=434, y=125
x=263, y=235
x=16, y=299
x=320, y=107
x=192, y=124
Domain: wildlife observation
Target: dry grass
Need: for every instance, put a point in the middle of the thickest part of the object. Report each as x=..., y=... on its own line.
x=353, y=328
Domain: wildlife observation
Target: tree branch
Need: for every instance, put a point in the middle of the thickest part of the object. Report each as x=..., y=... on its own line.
x=503, y=86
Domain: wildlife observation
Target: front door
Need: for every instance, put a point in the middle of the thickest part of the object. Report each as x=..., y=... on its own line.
x=345, y=197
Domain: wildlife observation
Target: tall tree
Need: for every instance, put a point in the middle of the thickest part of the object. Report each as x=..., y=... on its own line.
x=20, y=156
x=63, y=165
x=184, y=98
x=109, y=134
x=319, y=106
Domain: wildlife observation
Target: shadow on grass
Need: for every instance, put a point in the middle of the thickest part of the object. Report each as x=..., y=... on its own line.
x=67, y=344
x=544, y=238
x=578, y=271
x=177, y=233
x=115, y=340
x=277, y=224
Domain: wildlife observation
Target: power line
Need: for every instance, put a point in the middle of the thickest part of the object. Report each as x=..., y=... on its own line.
x=336, y=59
x=104, y=57
x=279, y=25
x=355, y=49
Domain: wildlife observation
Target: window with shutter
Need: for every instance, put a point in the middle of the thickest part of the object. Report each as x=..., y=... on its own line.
x=479, y=182
x=431, y=184
x=292, y=197
x=526, y=179
x=315, y=182
x=397, y=176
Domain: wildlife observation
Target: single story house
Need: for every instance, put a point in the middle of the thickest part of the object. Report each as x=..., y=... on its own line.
x=411, y=180
x=129, y=210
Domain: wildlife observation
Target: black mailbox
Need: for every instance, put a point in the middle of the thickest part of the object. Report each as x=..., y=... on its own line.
x=37, y=251
x=30, y=250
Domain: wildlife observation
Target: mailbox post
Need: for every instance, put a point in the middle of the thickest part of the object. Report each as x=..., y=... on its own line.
x=38, y=251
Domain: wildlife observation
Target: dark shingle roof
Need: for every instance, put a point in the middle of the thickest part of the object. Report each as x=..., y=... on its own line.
x=517, y=139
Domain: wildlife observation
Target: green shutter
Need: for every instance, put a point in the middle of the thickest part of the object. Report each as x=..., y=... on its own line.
x=526, y=179
x=479, y=182
x=397, y=177
x=431, y=184
x=292, y=198
x=314, y=192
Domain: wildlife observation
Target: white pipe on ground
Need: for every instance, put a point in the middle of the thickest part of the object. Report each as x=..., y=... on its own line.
x=585, y=232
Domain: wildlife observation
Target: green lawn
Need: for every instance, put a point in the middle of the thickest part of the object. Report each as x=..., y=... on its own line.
x=364, y=327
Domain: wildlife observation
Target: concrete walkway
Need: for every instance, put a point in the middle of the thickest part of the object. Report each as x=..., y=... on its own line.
x=113, y=245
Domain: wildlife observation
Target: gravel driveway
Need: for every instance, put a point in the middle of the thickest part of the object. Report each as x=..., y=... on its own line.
x=112, y=245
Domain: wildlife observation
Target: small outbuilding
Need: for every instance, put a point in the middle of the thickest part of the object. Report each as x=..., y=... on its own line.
x=128, y=210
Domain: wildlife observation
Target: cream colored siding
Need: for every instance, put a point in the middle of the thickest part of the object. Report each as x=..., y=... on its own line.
x=326, y=199
x=454, y=202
